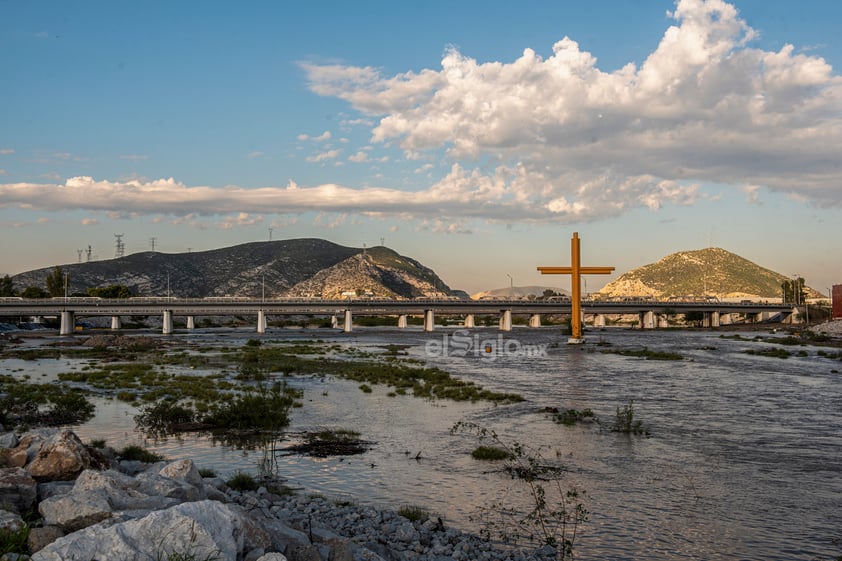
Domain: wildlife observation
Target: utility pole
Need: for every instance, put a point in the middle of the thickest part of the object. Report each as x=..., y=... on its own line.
x=270, y=233
x=152, y=242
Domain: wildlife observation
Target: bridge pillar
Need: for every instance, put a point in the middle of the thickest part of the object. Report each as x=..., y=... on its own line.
x=115, y=322
x=348, y=322
x=469, y=321
x=535, y=320
x=599, y=320
x=167, y=323
x=714, y=319
x=505, y=320
x=647, y=320
x=38, y=319
x=334, y=321
x=402, y=321
x=429, y=320
x=662, y=320
x=261, y=321
x=68, y=323
x=191, y=322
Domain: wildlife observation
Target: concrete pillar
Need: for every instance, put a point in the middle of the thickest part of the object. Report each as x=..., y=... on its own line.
x=115, y=322
x=647, y=320
x=469, y=321
x=167, y=322
x=714, y=319
x=402, y=321
x=191, y=322
x=334, y=321
x=348, y=323
x=505, y=320
x=599, y=320
x=261, y=321
x=38, y=319
x=68, y=323
x=535, y=320
x=429, y=320
x=661, y=320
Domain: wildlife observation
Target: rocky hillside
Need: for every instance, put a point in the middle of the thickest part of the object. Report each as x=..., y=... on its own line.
x=712, y=271
x=300, y=267
x=517, y=292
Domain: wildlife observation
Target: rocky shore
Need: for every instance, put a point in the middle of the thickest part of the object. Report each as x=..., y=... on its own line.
x=81, y=503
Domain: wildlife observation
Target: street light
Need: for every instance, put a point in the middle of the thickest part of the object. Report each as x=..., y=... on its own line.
x=511, y=286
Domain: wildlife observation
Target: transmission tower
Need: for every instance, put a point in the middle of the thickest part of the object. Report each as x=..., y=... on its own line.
x=79, y=253
x=121, y=247
x=270, y=234
x=152, y=243
x=88, y=252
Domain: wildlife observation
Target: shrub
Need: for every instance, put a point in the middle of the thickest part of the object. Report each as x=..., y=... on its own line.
x=413, y=513
x=490, y=453
x=140, y=454
x=243, y=482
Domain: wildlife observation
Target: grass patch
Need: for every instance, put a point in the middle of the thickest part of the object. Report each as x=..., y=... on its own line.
x=413, y=513
x=647, y=354
x=570, y=417
x=139, y=454
x=490, y=453
x=772, y=352
x=207, y=472
x=14, y=541
x=243, y=482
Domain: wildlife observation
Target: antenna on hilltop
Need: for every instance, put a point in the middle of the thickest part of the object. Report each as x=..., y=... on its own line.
x=270, y=233
x=88, y=252
x=79, y=253
x=382, y=241
x=121, y=247
x=152, y=242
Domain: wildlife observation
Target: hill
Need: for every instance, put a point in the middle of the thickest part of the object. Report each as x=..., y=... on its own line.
x=710, y=272
x=299, y=267
x=516, y=292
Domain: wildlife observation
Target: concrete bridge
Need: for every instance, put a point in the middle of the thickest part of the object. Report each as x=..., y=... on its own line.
x=650, y=314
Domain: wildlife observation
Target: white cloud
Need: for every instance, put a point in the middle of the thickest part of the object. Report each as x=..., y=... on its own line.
x=89, y=222
x=359, y=158
x=6, y=151
x=582, y=143
x=254, y=155
x=321, y=138
x=3, y=172
x=134, y=157
x=329, y=155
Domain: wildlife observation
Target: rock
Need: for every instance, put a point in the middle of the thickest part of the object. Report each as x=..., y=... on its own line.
x=40, y=537
x=17, y=489
x=61, y=457
x=273, y=556
x=303, y=553
x=184, y=470
x=11, y=521
x=8, y=440
x=201, y=529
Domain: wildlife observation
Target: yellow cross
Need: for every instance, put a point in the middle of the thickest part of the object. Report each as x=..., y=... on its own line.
x=576, y=271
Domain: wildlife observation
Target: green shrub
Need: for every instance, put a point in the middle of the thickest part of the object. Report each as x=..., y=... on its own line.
x=490, y=453
x=14, y=541
x=243, y=482
x=140, y=454
x=413, y=513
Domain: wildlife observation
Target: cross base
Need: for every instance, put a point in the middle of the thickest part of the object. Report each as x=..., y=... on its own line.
x=576, y=341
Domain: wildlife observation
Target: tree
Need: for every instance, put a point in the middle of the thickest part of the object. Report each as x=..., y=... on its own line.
x=34, y=292
x=112, y=291
x=57, y=282
x=7, y=287
x=794, y=291
x=695, y=317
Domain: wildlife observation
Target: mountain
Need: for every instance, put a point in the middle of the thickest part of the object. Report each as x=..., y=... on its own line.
x=517, y=292
x=299, y=267
x=712, y=272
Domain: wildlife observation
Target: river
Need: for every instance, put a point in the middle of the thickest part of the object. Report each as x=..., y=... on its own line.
x=743, y=459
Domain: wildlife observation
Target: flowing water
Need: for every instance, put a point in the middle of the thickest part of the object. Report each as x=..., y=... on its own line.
x=743, y=460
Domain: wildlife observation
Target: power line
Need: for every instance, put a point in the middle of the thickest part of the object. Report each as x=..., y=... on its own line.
x=121, y=248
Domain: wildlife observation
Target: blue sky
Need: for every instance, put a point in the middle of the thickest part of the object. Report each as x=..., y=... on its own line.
x=473, y=136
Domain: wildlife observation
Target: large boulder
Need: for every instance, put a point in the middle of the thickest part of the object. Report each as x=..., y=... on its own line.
x=98, y=495
x=62, y=456
x=204, y=529
x=18, y=490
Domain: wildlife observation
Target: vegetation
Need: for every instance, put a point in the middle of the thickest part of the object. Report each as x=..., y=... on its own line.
x=772, y=352
x=7, y=287
x=413, y=513
x=14, y=541
x=625, y=422
x=491, y=453
x=554, y=514
x=336, y=442
x=139, y=454
x=243, y=482
x=647, y=354
x=570, y=417
x=23, y=403
x=110, y=291
x=57, y=282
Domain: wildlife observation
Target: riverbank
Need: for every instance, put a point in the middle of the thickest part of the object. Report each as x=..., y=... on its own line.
x=90, y=505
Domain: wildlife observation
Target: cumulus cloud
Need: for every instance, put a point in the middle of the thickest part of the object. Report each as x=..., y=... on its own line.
x=3, y=172
x=359, y=158
x=580, y=142
x=6, y=151
x=548, y=139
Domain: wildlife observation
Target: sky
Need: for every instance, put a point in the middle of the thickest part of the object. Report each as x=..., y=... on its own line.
x=474, y=136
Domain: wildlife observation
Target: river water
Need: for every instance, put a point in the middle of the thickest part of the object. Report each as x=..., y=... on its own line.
x=743, y=459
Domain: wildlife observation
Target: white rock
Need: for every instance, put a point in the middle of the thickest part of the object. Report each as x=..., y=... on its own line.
x=204, y=528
